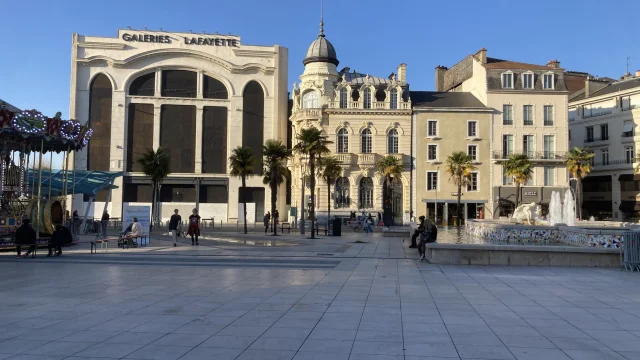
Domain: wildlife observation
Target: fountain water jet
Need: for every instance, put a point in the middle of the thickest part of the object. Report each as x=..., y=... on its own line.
x=555, y=209
x=569, y=209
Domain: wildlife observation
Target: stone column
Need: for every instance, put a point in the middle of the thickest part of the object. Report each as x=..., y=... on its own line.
x=200, y=84
x=198, y=139
x=156, y=126
x=158, y=87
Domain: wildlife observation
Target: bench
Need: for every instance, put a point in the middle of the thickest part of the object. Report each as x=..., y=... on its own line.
x=283, y=228
x=326, y=229
x=25, y=246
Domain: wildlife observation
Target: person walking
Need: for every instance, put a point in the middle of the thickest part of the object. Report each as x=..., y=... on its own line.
x=76, y=221
x=175, y=223
x=105, y=222
x=417, y=233
x=276, y=218
x=368, y=223
x=194, y=227
x=266, y=219
x=25, y=235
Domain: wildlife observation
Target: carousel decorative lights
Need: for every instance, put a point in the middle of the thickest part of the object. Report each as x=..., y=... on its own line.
x=23, y=133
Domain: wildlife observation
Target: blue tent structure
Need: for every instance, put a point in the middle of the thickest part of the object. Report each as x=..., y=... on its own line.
x=87, y=182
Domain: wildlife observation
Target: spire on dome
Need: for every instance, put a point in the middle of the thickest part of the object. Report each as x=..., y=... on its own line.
x=321, y=34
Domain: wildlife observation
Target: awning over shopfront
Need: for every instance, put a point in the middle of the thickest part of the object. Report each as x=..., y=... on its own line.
x=82, y=182
x=449, y=201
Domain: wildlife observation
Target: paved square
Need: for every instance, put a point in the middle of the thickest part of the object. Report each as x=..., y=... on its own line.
x=176, y=306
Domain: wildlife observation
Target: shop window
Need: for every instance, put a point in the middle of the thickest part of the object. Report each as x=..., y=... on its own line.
x=214, y=89
x=100, y=99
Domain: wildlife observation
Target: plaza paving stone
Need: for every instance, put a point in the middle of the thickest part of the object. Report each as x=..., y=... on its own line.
x=364, y=301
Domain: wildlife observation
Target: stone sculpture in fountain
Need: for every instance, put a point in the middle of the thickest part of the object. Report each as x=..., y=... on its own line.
x=558, y=212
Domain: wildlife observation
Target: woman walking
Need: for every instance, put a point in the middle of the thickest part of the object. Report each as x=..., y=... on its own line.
x=194, y=227
x=174, y=226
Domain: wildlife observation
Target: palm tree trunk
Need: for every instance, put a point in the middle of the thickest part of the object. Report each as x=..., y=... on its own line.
x=274, y=196
x=459, y=196
x=244, y=201
x=579, y=197
x=328, y=202
x=153, y=204
x=517, y=195
x=312, y=180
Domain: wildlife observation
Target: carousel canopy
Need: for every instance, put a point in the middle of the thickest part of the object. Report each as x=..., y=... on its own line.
x=29, y=130
x=86, y=181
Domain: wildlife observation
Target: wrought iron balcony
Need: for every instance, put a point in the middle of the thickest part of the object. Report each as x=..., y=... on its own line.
x=540, y=155
x=596, y=139
x=629, y=162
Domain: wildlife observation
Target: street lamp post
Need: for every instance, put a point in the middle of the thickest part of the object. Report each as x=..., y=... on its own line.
x=303, y=168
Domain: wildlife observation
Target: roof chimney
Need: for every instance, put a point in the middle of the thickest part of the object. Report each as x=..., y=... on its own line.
x=637, y=73
x=592, y=85
x=555, y=64
x=440, y=71
x=481, y=56
x=402, y=73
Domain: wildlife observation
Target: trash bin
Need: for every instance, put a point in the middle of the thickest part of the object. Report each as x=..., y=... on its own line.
x=337, y=227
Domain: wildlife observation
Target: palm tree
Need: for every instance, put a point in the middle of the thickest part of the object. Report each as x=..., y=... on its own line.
x=459, y=166
x=331, y=170
x=579, y=164
x=312, y=144
x=519, y=167
x=155, y=164
x=242, y=162
x=390, y=169
x=275, y=155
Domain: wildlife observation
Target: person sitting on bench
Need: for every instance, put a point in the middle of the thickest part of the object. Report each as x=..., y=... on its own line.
x=136, y=231
x=61, y=236
x=25, y=235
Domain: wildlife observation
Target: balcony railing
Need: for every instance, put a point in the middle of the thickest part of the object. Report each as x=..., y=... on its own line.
x=304, y=114
x=614, y=162
x=627, y=134
x=540, y=155
x=366, y=159
x=629, y=107
x=375, y=105
x=344, y=158
x=596, y=114
x=595, y=139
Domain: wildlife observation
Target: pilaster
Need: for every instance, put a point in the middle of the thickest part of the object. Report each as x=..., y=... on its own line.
x=198, y=139
x=158, y=84
x=156, y=126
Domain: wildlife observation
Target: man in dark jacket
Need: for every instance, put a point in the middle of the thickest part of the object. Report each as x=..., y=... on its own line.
x=61, y=236
x=428, y=236
x=417, y=232
x=174, y=226
x=104, y=222
x=266, y=220
x=25, y=235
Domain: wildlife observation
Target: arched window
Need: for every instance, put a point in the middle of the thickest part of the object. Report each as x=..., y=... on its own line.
x=367, y=98
x=366, y=193
x=310, y=100
x=214, y=89
x=343, y=98
x=392, y=141
x=366, y=143
x=342, y=199
x=100, y=96
x=144, y=85
x=253, y=122
x=343, y=141
x=393, y=103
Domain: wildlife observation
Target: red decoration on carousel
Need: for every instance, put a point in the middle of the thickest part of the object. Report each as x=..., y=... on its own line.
x=53, y=126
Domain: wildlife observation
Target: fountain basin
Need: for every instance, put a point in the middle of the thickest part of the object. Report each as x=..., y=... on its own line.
x=462, y=254
x=588, y=236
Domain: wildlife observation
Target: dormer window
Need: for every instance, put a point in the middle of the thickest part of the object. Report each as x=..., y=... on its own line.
x=393, y=101
x=367, y=98
x=527, y=80
x=548, y=81
x=343, y=98
x=507, y=80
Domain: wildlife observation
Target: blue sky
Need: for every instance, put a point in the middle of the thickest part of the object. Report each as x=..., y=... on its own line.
x=372, y=36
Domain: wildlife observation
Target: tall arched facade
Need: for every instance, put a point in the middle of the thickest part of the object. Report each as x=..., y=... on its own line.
x=197, y=101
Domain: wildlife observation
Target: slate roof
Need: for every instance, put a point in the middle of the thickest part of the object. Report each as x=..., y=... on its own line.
x=434, y=99
x=494, y=80
x=321, y=50
x=612, y=88
x=356, y=78
x=4, y=104
x=493, y=63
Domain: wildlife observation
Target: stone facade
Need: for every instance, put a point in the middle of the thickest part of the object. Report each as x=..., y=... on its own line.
x=125, y=58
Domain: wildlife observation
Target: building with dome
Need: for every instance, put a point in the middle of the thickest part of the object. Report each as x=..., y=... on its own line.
x=198, y=96
x=366, y=117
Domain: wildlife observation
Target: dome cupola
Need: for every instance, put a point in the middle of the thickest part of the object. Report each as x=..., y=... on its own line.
x=321, y=50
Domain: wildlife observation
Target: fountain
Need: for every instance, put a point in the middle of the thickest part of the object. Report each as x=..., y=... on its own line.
x=569, y=209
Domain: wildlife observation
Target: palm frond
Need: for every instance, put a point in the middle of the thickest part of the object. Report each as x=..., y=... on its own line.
x=242, y=162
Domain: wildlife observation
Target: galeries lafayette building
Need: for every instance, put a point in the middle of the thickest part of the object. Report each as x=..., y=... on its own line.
x=198, y=96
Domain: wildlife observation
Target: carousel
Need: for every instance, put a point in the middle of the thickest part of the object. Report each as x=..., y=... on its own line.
x=27, y=139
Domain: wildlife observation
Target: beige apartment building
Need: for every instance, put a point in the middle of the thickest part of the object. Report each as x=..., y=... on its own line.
x=444, y=123
x=366, y=118
x=530, y=117
x=603, y=116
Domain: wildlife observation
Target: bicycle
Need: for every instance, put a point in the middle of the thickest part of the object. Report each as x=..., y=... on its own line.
x=356, y=225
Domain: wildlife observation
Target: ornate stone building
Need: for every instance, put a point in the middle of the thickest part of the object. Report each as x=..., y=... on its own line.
x=366, y=118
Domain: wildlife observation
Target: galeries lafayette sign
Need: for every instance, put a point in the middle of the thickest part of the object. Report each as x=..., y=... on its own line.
x=166, y=39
